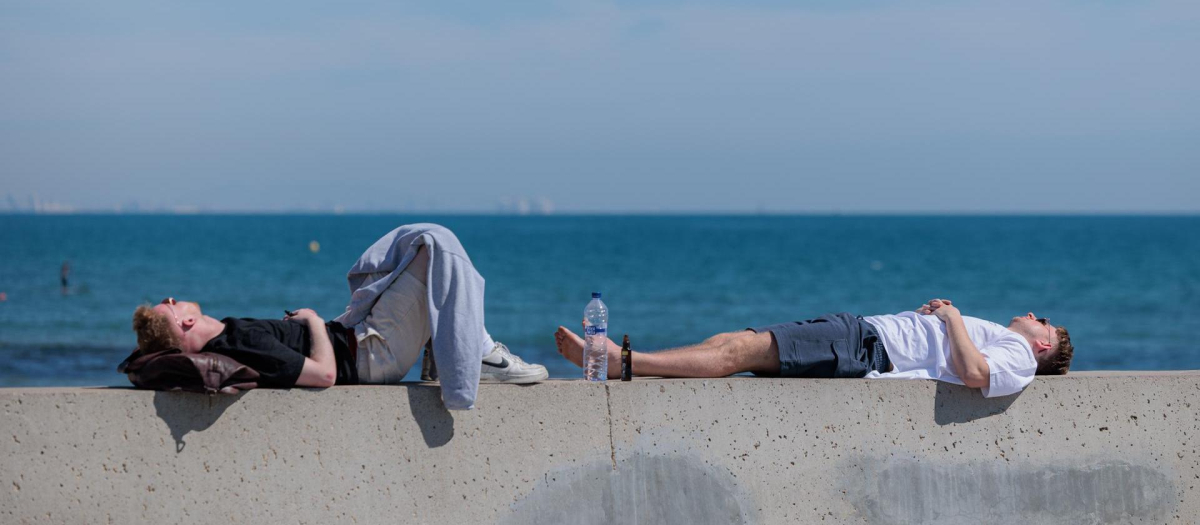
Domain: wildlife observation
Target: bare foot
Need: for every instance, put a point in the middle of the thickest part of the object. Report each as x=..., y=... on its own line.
x=612, y=345
x=571, y=347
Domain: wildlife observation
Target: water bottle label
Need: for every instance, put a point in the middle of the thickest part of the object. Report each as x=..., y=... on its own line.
x=593, y=330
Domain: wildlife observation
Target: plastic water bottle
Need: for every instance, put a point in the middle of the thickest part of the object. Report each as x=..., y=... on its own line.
x=595, y=334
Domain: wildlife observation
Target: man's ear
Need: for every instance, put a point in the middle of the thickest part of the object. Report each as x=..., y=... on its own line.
x=1041, y=347
x=187, y=323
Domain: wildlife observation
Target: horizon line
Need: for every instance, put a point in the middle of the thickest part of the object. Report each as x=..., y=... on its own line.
x=622, y=213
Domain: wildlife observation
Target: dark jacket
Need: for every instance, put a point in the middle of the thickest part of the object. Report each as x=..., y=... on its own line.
x=194, y=372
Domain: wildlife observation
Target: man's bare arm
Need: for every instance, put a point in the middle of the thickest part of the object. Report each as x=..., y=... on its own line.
x=968, y=362
x=320, y=368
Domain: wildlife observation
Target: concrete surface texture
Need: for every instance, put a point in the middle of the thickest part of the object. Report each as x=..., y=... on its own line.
x=1086, y=448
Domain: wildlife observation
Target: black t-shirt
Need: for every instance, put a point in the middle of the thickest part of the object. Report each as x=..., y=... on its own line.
x=276, y=349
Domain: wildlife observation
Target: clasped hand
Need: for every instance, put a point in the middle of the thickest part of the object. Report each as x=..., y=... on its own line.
x=302, y=314
x=942, y=308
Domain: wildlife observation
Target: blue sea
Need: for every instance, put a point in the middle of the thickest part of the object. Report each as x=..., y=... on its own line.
x=1128, y=288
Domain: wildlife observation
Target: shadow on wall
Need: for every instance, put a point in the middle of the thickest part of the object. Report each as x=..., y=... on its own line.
x=959, y=404
x=436, y=423
x=641, y=489
x=907, y=490
x=185, y=412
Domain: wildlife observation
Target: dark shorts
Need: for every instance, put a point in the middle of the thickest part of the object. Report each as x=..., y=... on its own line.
x=834, y=345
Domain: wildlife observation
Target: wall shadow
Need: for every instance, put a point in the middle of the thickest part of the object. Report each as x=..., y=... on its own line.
x=959, y=404
x=185, y=412
x=642, y=489
x=947, y=491
x=436, y=423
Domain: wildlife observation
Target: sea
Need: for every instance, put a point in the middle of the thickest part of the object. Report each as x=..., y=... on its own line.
x=1127, y=287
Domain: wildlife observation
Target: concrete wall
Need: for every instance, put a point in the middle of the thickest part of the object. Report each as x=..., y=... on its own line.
x=1087, y=448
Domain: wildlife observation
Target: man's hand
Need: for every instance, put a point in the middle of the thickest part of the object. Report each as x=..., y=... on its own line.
x=303, y=314
x=969, y=364
x=319, y=370
x=942, y=308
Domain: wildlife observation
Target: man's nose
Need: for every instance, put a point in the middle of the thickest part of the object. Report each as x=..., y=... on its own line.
x=1030, y=315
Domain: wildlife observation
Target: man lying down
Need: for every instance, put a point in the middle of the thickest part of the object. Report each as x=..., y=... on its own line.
x=933, y=342
x=415, y=285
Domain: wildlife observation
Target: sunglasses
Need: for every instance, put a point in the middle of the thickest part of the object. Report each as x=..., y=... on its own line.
x=1046, y=322
x=170, y=302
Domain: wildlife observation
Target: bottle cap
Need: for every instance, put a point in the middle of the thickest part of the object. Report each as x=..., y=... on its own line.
x=595, y=295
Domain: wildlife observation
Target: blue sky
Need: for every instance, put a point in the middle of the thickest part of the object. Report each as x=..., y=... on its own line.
x=575, y=106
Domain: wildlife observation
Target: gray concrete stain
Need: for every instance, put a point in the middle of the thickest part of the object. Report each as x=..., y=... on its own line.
x=643, y=489
x=912, y=491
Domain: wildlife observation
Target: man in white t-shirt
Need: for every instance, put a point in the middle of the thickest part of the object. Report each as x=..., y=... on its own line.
x=933, y=342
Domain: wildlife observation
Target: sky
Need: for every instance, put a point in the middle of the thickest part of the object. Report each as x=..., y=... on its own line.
x=656, y=106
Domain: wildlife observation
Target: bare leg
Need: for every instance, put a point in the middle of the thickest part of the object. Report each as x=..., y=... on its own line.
x=718, y=356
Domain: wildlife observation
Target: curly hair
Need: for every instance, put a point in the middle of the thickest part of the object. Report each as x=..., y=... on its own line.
x=1060, y=361
x=153, y=330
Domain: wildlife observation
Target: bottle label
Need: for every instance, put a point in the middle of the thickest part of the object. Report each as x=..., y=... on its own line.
x=594, y=330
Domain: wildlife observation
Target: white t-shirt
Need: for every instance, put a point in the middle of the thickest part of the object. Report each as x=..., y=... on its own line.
x=919, y=349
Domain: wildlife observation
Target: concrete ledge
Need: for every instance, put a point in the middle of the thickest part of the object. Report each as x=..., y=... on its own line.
x=1084, y=448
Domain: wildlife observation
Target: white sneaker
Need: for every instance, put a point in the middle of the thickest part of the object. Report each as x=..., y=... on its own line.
x=502, y=365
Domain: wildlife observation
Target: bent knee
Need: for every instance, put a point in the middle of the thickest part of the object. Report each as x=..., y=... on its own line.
x=750, y=352
x=727, y=337
x=446, y=238
x=733, y=351
x=419, y=265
